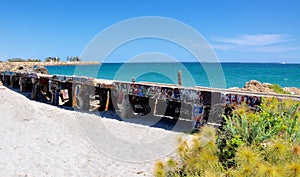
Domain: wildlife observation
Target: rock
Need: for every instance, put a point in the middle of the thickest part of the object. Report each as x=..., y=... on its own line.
x=292, y=90
x=234, y=88
x=266, y=85
x=42, y=70
x=256, y=86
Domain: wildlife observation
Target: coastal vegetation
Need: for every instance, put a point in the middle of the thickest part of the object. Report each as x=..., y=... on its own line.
x=23, y=60
x=261, y=142
x=278, y=89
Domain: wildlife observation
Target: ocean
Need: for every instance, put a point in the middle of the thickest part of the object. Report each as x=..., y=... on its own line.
x=224, y=75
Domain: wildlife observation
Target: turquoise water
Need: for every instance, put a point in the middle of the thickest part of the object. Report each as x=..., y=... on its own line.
x=223, y=75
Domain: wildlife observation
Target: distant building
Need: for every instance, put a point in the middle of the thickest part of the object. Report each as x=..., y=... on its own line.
x=73, y=59
x=52, y=59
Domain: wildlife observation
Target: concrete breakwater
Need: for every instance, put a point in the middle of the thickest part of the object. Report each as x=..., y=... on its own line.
x=199, y=105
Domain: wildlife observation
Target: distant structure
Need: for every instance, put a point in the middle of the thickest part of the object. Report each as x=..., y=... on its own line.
x=52, y=59
x=73, y=59
x=34, y=60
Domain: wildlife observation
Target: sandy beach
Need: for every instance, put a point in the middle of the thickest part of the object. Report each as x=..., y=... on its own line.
x=43, y=140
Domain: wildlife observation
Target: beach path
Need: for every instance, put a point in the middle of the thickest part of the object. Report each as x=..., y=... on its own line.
x=43, y=140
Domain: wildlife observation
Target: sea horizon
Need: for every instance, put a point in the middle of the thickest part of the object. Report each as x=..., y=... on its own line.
x=193, y=62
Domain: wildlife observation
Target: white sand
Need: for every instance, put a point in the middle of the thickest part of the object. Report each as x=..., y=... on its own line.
x=43, y=140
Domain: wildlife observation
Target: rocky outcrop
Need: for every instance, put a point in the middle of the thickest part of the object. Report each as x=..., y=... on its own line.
x=256, y=86
x=41, y=70
x=22, y=68
x=29, y=66
x=292, y=90
x=16, y=67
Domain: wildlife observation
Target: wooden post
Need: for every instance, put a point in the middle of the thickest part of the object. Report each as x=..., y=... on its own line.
x=155, y=105
x=21, y=84
x=74, y=103
x=3, y=78
x=179, y=78
x=107, y=101
x=11, y=81
x=34, y=89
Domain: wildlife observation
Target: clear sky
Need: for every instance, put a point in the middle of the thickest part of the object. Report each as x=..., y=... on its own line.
x=238, y=30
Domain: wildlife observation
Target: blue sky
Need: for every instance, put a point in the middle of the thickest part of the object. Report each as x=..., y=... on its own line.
x=238, y=30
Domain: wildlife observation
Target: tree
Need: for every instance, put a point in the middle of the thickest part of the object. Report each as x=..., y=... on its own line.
x=16, y=60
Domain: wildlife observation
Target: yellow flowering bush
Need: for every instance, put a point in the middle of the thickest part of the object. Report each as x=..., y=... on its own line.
x=250, y=143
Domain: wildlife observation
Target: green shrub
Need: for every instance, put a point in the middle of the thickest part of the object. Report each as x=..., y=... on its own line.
x=277, y=158
x=245, y=127
x=198, y=158
x=251, y=143
x=278, y=89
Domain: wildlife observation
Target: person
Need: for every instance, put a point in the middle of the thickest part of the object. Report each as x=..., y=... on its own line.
x=197, y=115
x=198, y=121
